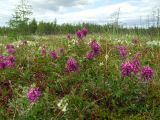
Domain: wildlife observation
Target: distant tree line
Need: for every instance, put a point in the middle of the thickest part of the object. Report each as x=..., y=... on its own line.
x=48, y=28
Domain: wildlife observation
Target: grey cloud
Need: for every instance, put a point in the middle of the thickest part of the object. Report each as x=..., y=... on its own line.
x=69, y=10
x=54, y=5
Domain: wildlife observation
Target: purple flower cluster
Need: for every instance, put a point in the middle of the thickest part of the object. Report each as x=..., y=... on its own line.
x=147, y=73
x=126, y=68
x=95, y=50
x=2, y=65
x=33, y=94
x=134, y=66
x=90, y=55
x=7, y=62
x=136, y=62
x=9, y=46
x=53, y=54
x=10, y=49
x=79, y=35
x=95, y=47
x=82, y=33
x=122, y=51
x=72, y=65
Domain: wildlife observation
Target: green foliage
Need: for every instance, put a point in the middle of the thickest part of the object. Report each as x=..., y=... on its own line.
x=19, y=22
x=96, y=92
x=33, y=26
x=49, y=28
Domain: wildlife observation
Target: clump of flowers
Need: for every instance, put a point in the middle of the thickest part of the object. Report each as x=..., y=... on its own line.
x=33, y=94
x=136, y=62
x=10, y=49
x=7, y=62
x=126, y=68
x=90, y=55
x=122, y=51
x=2, y=65
x=147, y=73
x=135, y=66
x=9, y=46
x=53, y=54
x=79, y=35
x=11, y=58
x=82, y=33
x=95, y=47
x=10, y=61
x=72, y=65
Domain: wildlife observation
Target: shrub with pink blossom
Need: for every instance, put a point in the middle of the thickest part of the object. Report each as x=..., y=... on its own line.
x=33, y=94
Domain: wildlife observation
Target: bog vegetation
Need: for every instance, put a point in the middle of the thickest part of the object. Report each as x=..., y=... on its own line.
x=86, y=71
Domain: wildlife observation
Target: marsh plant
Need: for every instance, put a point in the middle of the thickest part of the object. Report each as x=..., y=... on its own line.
x=72, y=78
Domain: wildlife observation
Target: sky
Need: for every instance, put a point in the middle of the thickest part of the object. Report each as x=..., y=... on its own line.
x=131, y=12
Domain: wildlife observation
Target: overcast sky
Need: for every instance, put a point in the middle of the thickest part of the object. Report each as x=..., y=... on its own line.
x=75, y=11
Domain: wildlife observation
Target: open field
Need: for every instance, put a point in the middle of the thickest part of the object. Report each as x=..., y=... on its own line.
x=80, y=60
x=57, y=78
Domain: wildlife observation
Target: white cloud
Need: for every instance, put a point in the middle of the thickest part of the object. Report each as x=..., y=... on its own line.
x=83, y=10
